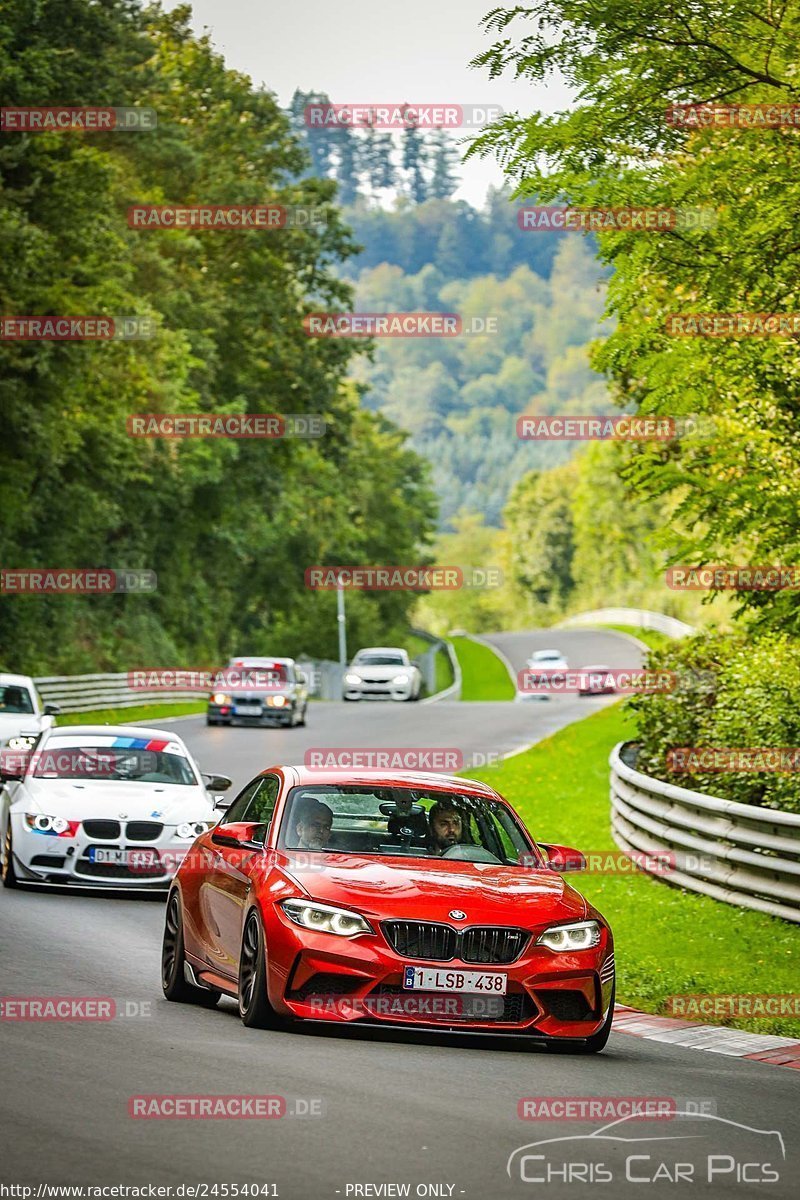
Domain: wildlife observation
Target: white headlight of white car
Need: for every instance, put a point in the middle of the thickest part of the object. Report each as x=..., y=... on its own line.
x=55, y=826
x=192, y=829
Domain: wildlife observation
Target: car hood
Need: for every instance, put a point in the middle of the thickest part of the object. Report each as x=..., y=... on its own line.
x=385, y=887
x=380, y=672
x=76, y=800
x=251, y=693
x=12, y=724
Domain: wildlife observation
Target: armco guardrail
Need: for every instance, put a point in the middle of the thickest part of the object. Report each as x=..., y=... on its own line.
x=82, y=693
x=733, y=852
x=641, y=618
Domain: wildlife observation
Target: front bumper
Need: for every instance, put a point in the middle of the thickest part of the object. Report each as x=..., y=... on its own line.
x=66, y=862
x=549, y=995
x=266, y=715
x=375, y=690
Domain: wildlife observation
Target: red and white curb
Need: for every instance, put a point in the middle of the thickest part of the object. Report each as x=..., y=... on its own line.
x=738, y=1043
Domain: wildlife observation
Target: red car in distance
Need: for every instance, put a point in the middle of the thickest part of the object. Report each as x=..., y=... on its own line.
x=399, y=898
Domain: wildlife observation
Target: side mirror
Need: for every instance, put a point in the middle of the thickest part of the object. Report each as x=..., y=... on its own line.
x=216, y=783
x=52, y=710
x=243, y=835
x=563, y=858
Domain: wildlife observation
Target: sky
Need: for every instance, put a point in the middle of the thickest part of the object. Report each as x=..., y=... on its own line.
x=415, y=52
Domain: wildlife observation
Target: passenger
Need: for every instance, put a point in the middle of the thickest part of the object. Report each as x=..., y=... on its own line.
x=313, y=822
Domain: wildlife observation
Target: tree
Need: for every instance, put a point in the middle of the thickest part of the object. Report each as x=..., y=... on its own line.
x=444, y=156
x=617, y=147
x=415, y=158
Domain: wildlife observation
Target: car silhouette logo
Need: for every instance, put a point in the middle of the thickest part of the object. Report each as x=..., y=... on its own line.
x=457, y=914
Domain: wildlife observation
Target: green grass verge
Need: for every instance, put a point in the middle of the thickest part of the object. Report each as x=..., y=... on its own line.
x=444, y=672
x=668, y=942
x=124, y=716
x=650, y=637
x=483, y=674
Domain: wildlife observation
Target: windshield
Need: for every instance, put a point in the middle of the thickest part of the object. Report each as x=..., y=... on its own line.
x=109, y=763
x=379, y=660
x=547, y=655
x=15, y=699
x=424, y=823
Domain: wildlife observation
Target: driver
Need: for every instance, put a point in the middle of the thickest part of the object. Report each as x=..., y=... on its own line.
x=312, y=821
x=447, y=826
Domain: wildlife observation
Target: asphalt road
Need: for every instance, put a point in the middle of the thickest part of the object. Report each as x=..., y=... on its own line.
x=435, y=1114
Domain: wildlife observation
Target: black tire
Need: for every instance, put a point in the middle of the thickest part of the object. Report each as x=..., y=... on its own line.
x=593, y=1044
x=254, y=1006
x=9, y=874
x=209, y=721
x=173, y=981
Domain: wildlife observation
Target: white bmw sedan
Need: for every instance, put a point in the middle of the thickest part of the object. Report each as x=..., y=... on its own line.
x=105, y=806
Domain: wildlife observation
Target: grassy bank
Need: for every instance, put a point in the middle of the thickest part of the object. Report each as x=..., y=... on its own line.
x=668, y=942
x=124, y=716
x=483, y=675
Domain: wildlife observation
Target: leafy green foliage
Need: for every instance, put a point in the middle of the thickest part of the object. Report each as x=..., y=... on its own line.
x=734, y=692
x=739, y=488
x=229, y=527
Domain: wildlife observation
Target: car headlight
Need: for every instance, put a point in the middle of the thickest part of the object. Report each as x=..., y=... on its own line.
x=581, y=935
x=221, y=698
x=277, y=701
x=351, y=677
x=403, y=678
x=23, y=742
x=52, y=826
x=324, y=919
x=192, y=829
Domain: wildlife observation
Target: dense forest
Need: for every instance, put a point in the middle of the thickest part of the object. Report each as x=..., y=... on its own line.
x=228, y=526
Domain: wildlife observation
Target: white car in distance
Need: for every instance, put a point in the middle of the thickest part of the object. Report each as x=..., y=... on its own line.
x=546, y=661
x=23, y=716
x=382, y=672
x=102, y=806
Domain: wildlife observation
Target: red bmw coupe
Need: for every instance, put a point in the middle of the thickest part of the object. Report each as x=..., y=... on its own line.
x=397, y=898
